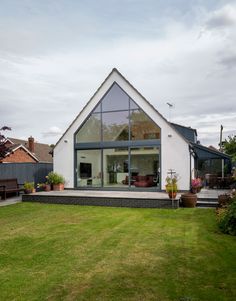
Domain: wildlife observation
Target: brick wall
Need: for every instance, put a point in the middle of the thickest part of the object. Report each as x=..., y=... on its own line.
x=100, y=201
x=19, y=155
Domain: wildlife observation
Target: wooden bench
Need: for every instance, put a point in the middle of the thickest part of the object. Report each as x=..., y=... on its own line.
x=9, y=186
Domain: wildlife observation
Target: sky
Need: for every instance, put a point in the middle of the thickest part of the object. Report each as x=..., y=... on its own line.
x=54, y=54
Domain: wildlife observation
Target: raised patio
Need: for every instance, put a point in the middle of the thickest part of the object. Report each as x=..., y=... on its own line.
x=206, y=198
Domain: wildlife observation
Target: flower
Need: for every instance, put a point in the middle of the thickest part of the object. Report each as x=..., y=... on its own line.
x=197, y=182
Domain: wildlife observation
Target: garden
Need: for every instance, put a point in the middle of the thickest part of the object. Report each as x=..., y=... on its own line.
x=62, y=252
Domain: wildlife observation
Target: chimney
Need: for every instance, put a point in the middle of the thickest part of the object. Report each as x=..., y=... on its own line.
x=31, y=144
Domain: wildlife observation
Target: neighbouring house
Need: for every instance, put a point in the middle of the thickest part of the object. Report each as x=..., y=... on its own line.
x=23, y=151
x=120, y=141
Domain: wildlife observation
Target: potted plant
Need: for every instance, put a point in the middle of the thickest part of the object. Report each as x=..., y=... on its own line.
x=196, y=185
x=28, y=187
x=56, y=180
x=40, y=187
x=171, y=186
x=47, y=187
x=43, y=187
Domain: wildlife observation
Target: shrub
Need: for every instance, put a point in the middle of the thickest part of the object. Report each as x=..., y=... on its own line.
x=55, y=178
x=28, y=185
x=227, y=219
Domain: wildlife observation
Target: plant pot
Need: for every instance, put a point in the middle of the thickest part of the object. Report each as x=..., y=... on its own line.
x=47, y=187
x=194, y=190
x=172, y=195
x=58, y=187
x=189, y=200
x=28, y=191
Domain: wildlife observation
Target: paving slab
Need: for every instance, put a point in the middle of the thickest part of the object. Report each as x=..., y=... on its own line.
x=10, y=201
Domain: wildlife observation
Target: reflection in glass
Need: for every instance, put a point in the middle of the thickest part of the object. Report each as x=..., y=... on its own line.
x=89, y=168
x=115, y=126
x=115, y=167
x=142, y=127
x=91, y=130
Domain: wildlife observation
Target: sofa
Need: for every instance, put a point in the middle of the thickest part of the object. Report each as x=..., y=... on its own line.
x=140, y=181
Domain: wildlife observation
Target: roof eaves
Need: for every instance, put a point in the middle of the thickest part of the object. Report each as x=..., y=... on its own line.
x=22, y=146
x=99, y=88
x=210, y=150
x=186, y=127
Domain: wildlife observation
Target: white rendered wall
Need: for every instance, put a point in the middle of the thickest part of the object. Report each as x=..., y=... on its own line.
x=174, y=149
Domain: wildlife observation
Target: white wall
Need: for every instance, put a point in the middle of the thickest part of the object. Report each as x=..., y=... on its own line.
x=174, y=149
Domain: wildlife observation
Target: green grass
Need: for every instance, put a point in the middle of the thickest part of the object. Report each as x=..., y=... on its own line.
x=57, y=252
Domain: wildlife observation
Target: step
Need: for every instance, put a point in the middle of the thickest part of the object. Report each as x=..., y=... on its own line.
x=211, y=204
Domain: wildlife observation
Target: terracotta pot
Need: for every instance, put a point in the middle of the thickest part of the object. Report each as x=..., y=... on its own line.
x=28, y=191
x=47, y=187
x=189, y=200
x=172, y=195
x=58, y=187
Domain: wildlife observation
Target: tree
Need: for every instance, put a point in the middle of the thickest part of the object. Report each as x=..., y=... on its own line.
x=229, y=147
x=3, y=147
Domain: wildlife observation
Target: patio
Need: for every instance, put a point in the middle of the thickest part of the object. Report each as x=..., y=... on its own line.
x=140, y=199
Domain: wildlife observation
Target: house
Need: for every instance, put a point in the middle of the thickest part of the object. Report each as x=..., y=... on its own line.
x=120, y=141
x=22, y=151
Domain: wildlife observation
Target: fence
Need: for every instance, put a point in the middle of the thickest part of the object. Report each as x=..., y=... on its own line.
x=25, y=172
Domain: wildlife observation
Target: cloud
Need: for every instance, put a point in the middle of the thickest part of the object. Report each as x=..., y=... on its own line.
x=49, y=69
x=53, y=131
x=222, y=18
x=228, y=60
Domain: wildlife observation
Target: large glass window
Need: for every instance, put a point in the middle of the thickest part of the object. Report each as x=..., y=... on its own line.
x=116, y=99
x=118, y=124
x=119, y=119
x=88, y=169
x=115, y=126
x=115, y=167
x=144, y=167
x=142, y=127
x=91, y=130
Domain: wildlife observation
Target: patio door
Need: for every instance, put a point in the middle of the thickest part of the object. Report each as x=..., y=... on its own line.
x=144, y=168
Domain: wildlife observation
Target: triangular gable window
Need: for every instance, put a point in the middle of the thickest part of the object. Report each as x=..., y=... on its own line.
x=117, y=118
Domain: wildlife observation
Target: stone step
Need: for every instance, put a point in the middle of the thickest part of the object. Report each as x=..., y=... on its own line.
x=211, y=204
x=210, y=200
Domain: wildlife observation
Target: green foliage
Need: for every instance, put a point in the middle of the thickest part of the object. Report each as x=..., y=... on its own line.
x=55, y=178
x=227, y=219
x=229, y=147
x=28, y=185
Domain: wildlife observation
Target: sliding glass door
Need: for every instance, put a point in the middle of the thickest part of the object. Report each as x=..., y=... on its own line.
x=130, y=167
x=115, y=167
x=88, y=169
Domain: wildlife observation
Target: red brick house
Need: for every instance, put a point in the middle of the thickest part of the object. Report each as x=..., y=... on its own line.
x=22, y=151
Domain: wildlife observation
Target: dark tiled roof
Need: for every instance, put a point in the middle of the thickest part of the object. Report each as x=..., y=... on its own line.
x=41, y=150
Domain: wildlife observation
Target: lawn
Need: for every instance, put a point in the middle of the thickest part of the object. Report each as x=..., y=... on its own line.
x=58, y=252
